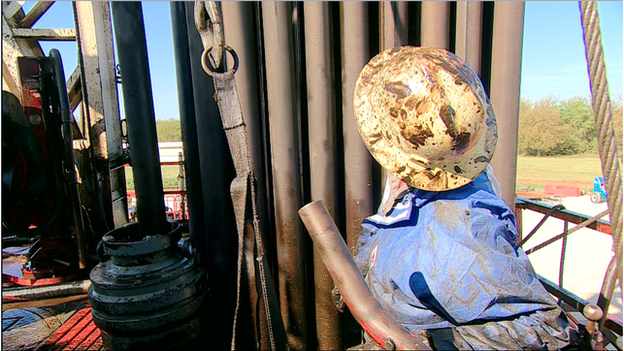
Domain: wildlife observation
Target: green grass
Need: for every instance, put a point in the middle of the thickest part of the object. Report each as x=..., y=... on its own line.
x=169, y=176
x=561, y=168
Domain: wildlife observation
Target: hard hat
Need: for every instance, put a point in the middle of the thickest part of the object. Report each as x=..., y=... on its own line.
x=425, y=117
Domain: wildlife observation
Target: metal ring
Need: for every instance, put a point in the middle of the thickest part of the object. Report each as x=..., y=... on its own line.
x=208, y=67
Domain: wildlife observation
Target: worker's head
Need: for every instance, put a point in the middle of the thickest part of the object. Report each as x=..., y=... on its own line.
x=425, y=117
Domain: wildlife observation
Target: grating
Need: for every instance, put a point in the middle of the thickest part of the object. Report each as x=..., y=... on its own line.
x=77, y=333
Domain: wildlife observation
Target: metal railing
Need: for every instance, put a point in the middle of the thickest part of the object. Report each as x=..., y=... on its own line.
x=610, y=325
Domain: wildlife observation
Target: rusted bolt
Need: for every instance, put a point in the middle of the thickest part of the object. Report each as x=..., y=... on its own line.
x=187, y=248
x=593, y=313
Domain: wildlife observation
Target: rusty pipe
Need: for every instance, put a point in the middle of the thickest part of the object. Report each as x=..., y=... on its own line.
x=377, y=323
x=505, y=91
x=46, y=291
x=323, y=155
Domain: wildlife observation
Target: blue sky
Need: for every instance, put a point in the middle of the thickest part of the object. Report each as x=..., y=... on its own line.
x=553, y=59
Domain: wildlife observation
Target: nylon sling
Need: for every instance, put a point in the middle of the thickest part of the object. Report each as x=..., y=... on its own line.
x=243, y=194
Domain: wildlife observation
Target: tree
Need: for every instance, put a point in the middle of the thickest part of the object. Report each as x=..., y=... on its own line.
x=542, y=131
x=169, y=130
x=578, y=113
x=616, y=115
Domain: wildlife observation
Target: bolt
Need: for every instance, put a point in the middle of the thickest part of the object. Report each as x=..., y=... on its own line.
x=593, y=313
x=190, y=249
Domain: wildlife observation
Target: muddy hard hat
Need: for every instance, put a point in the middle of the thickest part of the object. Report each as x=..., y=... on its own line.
x=425, y=117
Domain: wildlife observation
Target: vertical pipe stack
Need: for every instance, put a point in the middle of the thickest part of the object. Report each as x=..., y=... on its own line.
x=184, y=79
x=505, y=92
x=323, y=155
x=141, y=123
x=335, y=46
x=283, y=120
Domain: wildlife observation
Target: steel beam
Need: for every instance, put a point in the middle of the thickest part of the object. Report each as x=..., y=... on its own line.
x=35, y=14
x=100, y=103
x=12, y=48
x=45, y=34
x=505, y=91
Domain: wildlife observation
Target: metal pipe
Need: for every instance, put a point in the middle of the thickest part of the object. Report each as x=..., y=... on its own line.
x=469, y=33
x=435, y=24
x=139, y=109
x=46, y=292
x=69, y=167
x=197, y=229
x=608, y=286
x=358, y=161
x=182, y=184
x=323, y=155
x=283, y=117
x=377, y=323
x=505, y=91
x=394, y=24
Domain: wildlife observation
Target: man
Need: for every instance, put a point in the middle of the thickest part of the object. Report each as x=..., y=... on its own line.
x=440, y=255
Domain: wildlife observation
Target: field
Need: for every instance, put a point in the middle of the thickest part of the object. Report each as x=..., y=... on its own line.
x=532, y=173
x=578, y=170
x=169, y=175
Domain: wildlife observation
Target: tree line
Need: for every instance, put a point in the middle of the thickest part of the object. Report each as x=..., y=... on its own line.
x=554, y=127
x=547, y=127
x=169, y=130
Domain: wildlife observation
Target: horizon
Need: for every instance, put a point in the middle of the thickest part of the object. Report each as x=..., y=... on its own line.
x=553, y=53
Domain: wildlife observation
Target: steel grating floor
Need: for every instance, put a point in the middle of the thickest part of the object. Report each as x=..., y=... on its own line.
x=77, y=333
x=52, y=328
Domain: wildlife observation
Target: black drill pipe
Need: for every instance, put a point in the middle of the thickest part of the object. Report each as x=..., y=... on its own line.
x=139, y=110
x=68, y=158
x=197, y=227
x=217, y=173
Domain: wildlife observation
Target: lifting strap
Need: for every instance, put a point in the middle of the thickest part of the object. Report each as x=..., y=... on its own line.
x=242, y=189
x=243, y=194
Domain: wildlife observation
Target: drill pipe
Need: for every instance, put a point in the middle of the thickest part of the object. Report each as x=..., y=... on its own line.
x=376, y=322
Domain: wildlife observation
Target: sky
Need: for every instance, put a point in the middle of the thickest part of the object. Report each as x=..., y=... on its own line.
x=553, y=57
